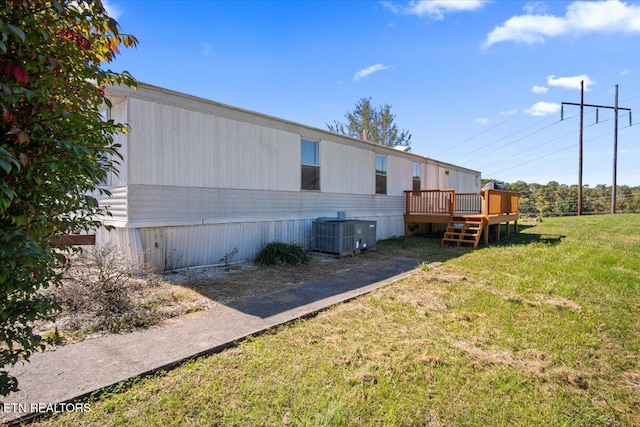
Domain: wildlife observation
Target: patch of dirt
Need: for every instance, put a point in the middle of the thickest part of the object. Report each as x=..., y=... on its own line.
x=537, y=300
x=227, y=284
x=182, y=292
x=423, y=298
x=631, y=380
x=530, y=361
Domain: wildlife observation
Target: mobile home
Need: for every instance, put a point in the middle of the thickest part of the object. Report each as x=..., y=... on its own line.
x=201, y=180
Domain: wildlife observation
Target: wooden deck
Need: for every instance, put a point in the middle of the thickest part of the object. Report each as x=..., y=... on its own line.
x=468, y=215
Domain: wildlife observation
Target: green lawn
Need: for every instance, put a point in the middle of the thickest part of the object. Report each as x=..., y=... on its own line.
x=540, y=330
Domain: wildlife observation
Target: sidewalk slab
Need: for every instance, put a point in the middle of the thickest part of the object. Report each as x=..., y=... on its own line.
x=73, y=371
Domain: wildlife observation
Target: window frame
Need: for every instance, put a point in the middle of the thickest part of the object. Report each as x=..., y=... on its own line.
x=381, y=174
x=309, y=169
x=417, y=176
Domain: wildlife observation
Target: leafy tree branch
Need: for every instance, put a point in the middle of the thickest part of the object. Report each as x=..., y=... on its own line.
x=55, y=150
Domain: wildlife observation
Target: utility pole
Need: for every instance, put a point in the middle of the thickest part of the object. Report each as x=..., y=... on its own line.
x=615, y=157
x=580, y=157
x=615, y=141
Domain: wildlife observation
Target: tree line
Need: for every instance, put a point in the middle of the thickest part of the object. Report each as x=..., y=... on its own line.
x=555, y=199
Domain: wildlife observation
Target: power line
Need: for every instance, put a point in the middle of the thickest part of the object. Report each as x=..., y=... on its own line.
x=483, y=147
x=512, y=142
x=478, y=134
x=534, y=159
x=550, y=153
x=548, y=142
x=530, y=149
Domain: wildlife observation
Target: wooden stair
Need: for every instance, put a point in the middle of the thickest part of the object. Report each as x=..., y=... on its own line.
x=463, y=230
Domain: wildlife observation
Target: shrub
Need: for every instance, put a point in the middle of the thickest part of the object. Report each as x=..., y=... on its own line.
x=276, y=252
x=101, y=284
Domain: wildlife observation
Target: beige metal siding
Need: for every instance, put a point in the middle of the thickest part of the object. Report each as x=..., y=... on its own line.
x=117, y=204
x=432, y=178
x=169, y=248
x=346, y=169
x=148, y=206
x=181, y=147
x=125, y=240
x=399, y=175
x=118, y=112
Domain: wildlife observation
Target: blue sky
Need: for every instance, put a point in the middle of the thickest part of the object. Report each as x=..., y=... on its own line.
x=477, y=83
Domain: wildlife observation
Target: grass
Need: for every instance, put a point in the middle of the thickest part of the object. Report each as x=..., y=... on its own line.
x=543, y=329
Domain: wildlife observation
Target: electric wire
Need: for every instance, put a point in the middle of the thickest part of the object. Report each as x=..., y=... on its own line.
x=552, y=153
x=512, y=142
x=478, y=134
x=537, y=131
x=547, y=142
x=483, y=147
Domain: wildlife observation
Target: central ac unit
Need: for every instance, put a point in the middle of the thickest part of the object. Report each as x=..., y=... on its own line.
x=343, y=237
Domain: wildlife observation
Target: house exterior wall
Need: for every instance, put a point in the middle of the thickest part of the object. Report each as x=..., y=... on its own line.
x=200, y=179
x=118, y=112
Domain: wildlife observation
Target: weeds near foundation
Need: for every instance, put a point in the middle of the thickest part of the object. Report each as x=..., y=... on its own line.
x=226, y=259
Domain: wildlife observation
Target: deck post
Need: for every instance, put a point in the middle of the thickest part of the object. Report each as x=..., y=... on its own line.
x=407, y=202
x=452, y=203
x=486, y=230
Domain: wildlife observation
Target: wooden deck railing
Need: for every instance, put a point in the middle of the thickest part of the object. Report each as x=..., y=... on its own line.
x=430, y=202
x=448, y=202
x=470, y=203
x=500, y=202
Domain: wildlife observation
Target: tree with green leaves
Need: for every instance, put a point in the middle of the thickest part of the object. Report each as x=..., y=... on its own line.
x=372, y=124
x=56, y=148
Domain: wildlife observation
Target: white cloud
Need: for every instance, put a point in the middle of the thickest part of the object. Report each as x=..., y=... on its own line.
x=570, y=82
x=509, y=112
x=436, y=9
x=482, y=120
x=369, y=70
x=112, y=10
x=539, y=89
x=540, y=109
x=625, y=72
x=581, y=17
x=534, y=7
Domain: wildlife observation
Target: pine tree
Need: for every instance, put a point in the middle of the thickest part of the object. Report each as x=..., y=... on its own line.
x=372, y=124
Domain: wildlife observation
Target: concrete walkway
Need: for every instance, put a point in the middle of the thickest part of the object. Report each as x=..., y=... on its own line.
x=75, y=371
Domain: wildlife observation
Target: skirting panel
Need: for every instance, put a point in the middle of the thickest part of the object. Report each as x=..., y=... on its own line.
x=170, y=248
